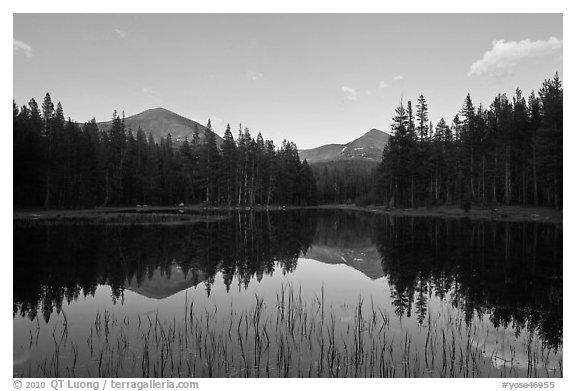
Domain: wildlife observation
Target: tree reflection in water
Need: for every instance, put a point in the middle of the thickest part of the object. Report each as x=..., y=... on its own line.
x=510, y=272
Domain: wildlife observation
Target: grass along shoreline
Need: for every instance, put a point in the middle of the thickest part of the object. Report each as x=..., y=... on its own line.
x=191, y=214
x=499, y=213
x=108, y=216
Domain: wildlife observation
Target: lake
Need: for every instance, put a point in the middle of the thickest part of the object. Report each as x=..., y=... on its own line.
x=299, y=293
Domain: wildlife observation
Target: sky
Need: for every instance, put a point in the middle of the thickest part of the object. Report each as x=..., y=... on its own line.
x=313, y=79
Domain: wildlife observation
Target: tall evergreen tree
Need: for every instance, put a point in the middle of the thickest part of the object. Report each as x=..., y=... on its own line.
x=209, y=166
x=422, y=117
x=550, y=134
x=228, y=175
x=48, y=132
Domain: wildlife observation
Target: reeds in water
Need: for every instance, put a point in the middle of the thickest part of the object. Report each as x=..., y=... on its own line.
x=289, y=336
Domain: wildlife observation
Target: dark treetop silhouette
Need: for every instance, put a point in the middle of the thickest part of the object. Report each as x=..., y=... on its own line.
x=60, y=164
x=508, y=153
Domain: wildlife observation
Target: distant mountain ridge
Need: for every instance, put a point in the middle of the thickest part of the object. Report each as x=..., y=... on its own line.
x=160, y=285
x=367, y=147
x=367, y=260
x=161, y=122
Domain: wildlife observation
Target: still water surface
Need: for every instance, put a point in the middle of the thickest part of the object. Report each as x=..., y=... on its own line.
x=289, y=293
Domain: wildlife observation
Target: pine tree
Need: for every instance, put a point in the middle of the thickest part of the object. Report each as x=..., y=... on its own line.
x=228, y=174
x=271, y=173
x=520, y=146
x=551, y=96
x=48, y=132
x=399, y=165
x=117, y=137
x=467, y=148
x=209, y=165
x=422, y=117
x=153, y=180
x=411, y=127
x=534, y=125
x=129, y=170
x=185, y=164
x=91, y=165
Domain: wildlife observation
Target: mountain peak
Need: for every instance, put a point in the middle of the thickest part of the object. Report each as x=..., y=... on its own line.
x=163, y=110
x=160, y=122
x=368, y=147
x=374, y=131
x=160, y=109
x=157, y=111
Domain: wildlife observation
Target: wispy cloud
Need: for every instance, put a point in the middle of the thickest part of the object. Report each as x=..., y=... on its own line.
x=121, y=33
x=349, y=93
x=254, y=75
x=504, y=56
x=21, y=47
x=399, y=77
x=383, y=84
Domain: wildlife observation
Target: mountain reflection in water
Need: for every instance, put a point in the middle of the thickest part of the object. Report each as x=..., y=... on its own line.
x=510, y=273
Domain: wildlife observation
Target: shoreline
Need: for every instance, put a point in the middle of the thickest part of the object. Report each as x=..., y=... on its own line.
x=501, y=213
x=166, y=214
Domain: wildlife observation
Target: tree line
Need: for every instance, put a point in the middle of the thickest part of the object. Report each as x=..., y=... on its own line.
x=61, y=164
x=345, y=181
x=508, y=153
